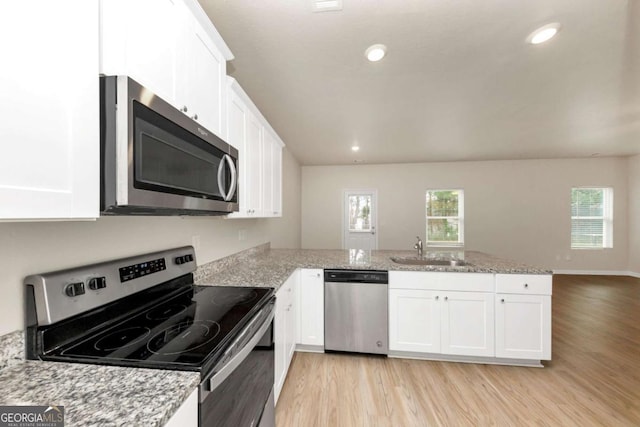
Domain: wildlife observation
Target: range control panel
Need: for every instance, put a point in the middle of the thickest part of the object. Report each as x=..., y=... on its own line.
x=134, y=271
x=61, y=294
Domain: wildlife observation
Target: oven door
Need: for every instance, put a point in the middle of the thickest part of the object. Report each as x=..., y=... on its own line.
x=239, y=391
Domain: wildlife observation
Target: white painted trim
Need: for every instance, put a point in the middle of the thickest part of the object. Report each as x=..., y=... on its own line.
x=598, y=272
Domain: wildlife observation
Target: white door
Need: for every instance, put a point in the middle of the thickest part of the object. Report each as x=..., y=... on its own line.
x=360, y=219
x=467, y=323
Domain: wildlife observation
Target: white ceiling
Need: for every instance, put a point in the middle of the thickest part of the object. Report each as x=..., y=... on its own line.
x=459, y=81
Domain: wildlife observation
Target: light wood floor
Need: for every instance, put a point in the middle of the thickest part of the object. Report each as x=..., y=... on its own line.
x=593, y=379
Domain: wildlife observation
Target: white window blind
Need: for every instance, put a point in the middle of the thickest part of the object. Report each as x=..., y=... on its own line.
x=445, y=217
x=591, y=218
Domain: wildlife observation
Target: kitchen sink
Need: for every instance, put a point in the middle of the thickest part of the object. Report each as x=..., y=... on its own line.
x=429, y=261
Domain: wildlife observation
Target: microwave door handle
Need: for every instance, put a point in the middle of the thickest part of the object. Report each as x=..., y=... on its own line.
x=234, y=177
x=220, y=176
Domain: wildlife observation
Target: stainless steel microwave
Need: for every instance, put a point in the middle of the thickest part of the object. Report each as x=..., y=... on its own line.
x=157, y=161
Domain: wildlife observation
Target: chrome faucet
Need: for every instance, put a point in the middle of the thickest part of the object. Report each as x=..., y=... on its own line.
x=418, y=246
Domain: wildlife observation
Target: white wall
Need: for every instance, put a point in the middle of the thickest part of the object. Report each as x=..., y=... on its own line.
x=514, y=209
x=634, y=214
x=37, y=247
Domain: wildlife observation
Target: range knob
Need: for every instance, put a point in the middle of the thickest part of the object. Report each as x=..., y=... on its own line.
x=74, y=289
x=97, y=283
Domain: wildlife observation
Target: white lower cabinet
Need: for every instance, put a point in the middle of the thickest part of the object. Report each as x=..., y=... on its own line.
x=285, y=325
x=504, y=316
x=426, y=321
x=311, y=308
x=414, y=320
x=523, y=317
x=467, y=323
x=187, y=413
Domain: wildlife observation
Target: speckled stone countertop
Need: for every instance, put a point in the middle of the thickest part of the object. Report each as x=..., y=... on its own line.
x=98, y=395
x=270, y=268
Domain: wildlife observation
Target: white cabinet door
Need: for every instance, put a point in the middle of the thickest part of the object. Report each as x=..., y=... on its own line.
x=141, y=39
x=285, y=330
x=202, y=73
x=187, y=413
x=49, y=167
x=523, y=326
x=292, y=318
x=276, y=196
x=237, y=117
x=254, y=166
x=414, y=320
x=311, y=308
x=268, y=143
x=468, y=324
x=279, y=339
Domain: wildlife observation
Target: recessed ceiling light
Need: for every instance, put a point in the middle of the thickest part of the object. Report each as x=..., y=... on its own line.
x=355, y=148
x=544, y=33
x=375, y=52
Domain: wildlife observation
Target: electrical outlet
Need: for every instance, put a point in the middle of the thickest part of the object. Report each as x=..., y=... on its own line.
x=195, y=242
x=567, y=257
x=242, y=234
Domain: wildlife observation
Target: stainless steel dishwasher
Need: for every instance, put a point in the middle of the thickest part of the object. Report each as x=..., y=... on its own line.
x=356, y=311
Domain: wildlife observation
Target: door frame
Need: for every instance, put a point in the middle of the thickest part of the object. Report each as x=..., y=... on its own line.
x=374, y=222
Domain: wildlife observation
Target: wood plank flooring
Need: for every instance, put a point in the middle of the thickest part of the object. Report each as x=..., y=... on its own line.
x=593, y=379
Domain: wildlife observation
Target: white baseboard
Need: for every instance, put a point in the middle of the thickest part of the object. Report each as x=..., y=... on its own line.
x=599, y=272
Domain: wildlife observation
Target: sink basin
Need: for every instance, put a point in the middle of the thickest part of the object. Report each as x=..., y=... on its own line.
x=427, y=261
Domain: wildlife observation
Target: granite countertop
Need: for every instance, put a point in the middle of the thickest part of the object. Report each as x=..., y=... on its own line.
x=272, y=267
x=98, y=395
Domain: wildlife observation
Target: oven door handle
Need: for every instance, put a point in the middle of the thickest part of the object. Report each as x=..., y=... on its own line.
x=223, y=373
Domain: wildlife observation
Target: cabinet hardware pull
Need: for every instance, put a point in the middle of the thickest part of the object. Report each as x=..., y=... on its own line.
x=194, y=117
x=446, y=298
x=184, y=109
x=437, y=297
x=526, y=285
x=502, y=300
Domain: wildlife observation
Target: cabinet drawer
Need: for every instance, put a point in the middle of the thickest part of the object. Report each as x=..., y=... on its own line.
x=534, y=284
x=413, y=280
x=437, y=281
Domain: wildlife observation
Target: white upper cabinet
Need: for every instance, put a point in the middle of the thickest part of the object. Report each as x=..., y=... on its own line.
x=260, y=171
x=168, y=47
x=140, y=38
x=272, y=171
x=49, y=167
x=203, y=78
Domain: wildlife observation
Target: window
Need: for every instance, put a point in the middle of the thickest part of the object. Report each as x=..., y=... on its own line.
x=360, y=212
x=445, y=217
x=591, y=218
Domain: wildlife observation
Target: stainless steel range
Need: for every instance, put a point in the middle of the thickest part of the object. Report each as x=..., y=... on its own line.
x=145, y=311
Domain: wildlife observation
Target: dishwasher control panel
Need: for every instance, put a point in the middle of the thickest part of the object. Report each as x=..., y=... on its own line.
x=356, y=276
